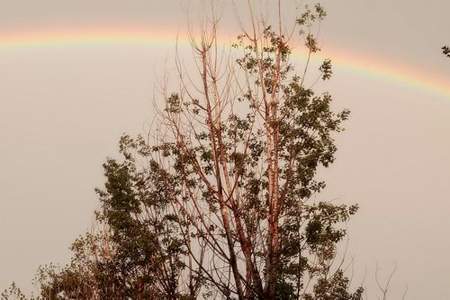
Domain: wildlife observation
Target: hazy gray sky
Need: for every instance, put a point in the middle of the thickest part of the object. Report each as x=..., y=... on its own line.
x=62, y=110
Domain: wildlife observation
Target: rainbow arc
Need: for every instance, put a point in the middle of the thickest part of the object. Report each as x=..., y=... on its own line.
x=354, y=62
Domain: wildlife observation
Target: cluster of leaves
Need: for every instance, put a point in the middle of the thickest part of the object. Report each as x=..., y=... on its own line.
x=446, y=51
x=13, y=292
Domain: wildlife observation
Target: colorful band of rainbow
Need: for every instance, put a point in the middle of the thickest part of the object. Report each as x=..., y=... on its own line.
x=353, y=62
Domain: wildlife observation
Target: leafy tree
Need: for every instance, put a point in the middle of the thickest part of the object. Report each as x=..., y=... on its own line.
x=219, y=205
x=99, y=270
x=233, y=175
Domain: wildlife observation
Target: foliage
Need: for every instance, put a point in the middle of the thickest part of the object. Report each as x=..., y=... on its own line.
x=98, y=270
x=13, y=293
x=446, y=51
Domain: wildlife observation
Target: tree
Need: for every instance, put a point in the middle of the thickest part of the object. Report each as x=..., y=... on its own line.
x=235, y=169
x=220, y=203
x=100, y=270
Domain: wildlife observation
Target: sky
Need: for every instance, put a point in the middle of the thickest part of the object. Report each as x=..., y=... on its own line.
x=63, y=106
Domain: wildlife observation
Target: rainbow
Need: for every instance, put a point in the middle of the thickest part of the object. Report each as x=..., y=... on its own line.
x=387, y=70
x=369, y=66
x=85, y=37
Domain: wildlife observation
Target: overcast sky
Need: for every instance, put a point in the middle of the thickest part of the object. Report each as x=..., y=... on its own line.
x=62, y=110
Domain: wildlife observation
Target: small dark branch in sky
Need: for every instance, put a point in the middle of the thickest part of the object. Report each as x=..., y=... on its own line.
x=446, y=51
